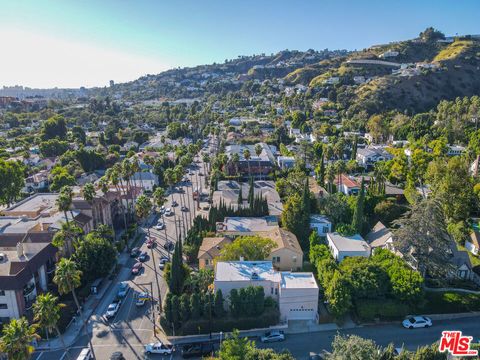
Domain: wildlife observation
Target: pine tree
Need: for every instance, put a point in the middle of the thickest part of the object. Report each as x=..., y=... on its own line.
x=219, y=310
x=185, y=307
x=175, y=310
x=321, y=173
x=306, y=198
x=354, y=148
x=357, y=222
x=240, y=197
x=177, y=271
x=251, y=193
x=195, y=310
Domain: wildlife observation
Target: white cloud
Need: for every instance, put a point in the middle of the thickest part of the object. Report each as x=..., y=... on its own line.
x=39, y=60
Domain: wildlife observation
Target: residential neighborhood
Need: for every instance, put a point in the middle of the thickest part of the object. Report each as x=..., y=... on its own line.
x=327, y=200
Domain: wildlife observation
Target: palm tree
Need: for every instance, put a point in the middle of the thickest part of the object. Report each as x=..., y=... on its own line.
x=89, y=192
x=169, y=176
x=64, y=201
x=330, y=176
x=16, y=339
x=340, y=168
x=246, y=155
x=258, y=151
x=67, y=237
x=380, y=174
x=68, y=278
x=236, y=161
x=113, y=177
x=46, y=311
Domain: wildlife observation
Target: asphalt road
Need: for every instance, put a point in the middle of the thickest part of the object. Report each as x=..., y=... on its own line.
x=132, y=327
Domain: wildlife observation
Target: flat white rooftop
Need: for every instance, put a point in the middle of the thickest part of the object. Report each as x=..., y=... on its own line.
x=298, y=281
x=246, y=271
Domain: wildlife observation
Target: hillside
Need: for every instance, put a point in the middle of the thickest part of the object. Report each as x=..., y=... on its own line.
x=455, y=72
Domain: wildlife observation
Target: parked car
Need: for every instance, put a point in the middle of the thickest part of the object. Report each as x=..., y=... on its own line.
x=135, y=252
x=168, y=212
x=200, y=173
x=272, y=336
x=122, y=290
x=162, y=263
x=158, y=348
x=414, y=322
x=137, y=268
x=184, y=209
x=150, y=243
x=142, y=298
x=169, y=246
x=159, y=226
x=162, y=209
x=112, y=309
x=117, y=355
x=197, y=350
x=143, y=256
x=174, y=203
x=85, y=354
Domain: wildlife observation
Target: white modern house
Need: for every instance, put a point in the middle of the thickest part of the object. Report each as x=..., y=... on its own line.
x=346, y=246
x=320, y=224
x=369, y=156
x=296, y=293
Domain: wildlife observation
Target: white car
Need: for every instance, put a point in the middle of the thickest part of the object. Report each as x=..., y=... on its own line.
x=113, y=309
x=168, y=212
x=159, y=226
x=158, y=348
x=414, y=322
x=272, y=336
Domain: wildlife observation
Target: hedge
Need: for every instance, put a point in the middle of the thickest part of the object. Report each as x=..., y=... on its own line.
x=202, y=326
x=383, y=309
x=450, y=302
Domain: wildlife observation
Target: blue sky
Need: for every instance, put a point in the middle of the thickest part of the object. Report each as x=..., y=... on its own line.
x=74, y=42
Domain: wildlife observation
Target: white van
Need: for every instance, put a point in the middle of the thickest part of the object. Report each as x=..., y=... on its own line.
x=85, y=354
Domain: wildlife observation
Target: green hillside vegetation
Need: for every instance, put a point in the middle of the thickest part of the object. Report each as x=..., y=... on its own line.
x=305, y=74
x=454, y=50
x=458, y=76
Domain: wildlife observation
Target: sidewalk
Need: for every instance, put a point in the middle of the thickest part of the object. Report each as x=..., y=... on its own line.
x=76, y=327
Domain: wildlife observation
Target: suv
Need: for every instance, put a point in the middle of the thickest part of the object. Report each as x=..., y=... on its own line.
x=197, y=350
x=158, y=348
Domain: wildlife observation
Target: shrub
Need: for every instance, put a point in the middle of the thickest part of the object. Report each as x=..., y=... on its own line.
x=383, y=309
x=450, y=302
x=268, y=318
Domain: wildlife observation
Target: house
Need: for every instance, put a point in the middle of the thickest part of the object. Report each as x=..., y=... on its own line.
x=380, y=237
x=25, y=271
x=317, y=190
x=286, y=162
x=287, y=253
x=210, y=249
x=388, y=54
x=346, y=185
x=295, y=293
x=245, y=226
x=367, y=157
x=347, y=246
x=228, y=192
x=37, y=181
x=320, y=224
x=144, y=180
x=255, y=165
x=473, y=244
x=455, y=150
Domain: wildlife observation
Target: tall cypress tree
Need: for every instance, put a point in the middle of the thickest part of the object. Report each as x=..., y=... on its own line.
x=354, y=148
x=251, y=193
x=240, y=197
x=321, y=174
x=357, y=221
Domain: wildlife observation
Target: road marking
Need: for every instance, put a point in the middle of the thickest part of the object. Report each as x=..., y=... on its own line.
x=39, y=355
x=64, y=354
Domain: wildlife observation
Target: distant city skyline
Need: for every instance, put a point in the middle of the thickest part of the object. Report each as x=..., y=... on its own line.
x=48, y=43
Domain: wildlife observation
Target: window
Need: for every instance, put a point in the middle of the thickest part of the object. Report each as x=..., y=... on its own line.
x=206, y=261
x=3, y=306
x=2, y=292
x=278, y=259
x=276, y=291
x=271, y=291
